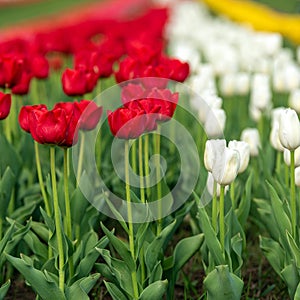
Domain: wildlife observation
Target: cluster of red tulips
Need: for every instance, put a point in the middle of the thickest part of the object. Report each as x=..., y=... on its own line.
x=100, y=49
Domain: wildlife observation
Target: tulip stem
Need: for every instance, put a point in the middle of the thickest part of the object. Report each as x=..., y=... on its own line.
x=68, y=206
x=159, y=191
x=133, y=157
x=141, y=175
x=278, y=162
x=286, y=170
x=232, y=194
x=146, y=160
x=80, y=158
x=130, y=224
x=1, y=228
x=293, y=194
x=57, y=217
x=42, y=187
x=221, y=219
x=214, y=207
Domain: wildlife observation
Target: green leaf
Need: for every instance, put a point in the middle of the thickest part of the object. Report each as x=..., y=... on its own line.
x=81, y=288
x=211, y=238
x=6, y=237
x=274, y=253
x=221, y=284
x=9, y=157
x=291, y=278
x=121, y=248
x=22, y=213
x=185, y=249
x=7, y=184
x=282, y=220
x=4, y=289
x=114, y=291
x=294, y=249
x=156, y=274
x=41, y=230
x=40, y=282
x=154, y=291
x=153, y=251
x=245, y=204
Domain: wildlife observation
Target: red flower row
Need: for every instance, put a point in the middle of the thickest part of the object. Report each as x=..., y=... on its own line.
x=60, y=125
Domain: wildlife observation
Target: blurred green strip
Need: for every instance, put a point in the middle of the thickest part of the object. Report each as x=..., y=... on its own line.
x=12, y=14
x=287, y=6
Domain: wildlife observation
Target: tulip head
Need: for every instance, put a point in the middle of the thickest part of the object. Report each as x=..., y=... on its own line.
x=211, y=148
x=5, y=104
x=251, y=137
x=244, y=151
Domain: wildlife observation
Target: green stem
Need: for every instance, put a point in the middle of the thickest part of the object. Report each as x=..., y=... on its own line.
x=232, y=194
x=133, y=157
x=278, y=162
x=221, y=219
x=1, y=228
x=40, y=178
x=146, y=161
x=80, y=158
x=130, y=224
x=293, y=193
x=99, y=150
x=214, y=213
x=286, y=174
x=158, y=186
x=141, y=175
x=68, y=205
x=57, y=218
x=42, y=187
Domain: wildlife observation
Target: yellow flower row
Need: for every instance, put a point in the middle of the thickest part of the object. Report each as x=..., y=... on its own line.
x=259, y=16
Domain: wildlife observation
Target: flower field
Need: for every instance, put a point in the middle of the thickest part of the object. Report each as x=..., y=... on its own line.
x=150, y=150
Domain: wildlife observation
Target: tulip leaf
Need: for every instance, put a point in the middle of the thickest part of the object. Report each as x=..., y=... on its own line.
x=282, y=220
x=23, y=212
x=154, y=291
x=79, y=205
x=7, y=183
x=156, y=274
x=211, y=238
x=9, y=232
x=236, y=255
x=294, y=249
x=81, y=288
x=45, y=287
x=4, y=289
x=114, y=291
x=221, y=284
x=153, y=252
x=291, y=278
x=120, y=247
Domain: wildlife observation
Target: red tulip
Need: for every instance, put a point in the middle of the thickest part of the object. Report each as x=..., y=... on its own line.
x=78, y=82
x=11, y=68
x=24, y=115
x=39, y=66
x=127, y=123
x=176, y=69
x=90, y=114
x=132, y=92
x=22, y=87
x=5, y=104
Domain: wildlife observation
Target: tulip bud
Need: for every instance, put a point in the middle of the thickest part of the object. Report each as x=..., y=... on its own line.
x=287, y=157
x=227, y=84
x=210, y=185
x=251, y=136
x=5, y=104
x=242, y=83
x=289, y=129
x=210, y=151
x=297, y=176
x=215, y=123
x=244, y=150
x=226, y=166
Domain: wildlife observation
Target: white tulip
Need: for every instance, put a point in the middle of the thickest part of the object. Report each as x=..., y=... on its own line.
x=251, y=136
x=211, y=148
x=227, y=84
x=287, y=157
x=289, y=129
x=274, y=137
x=242, y=83
x=275, y=114
x=226, y=166
x=244, y=150
x=210, y=186
x=297, y=176
x=215, y=123
x=294, y=100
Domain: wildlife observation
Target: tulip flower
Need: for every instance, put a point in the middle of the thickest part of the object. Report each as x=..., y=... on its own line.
x=25, y=114
x=287, y=157
x=294, y=100
x=212, y=147
x=210, y=185
x=244, y=150
x=5, y=104
x=11, y=68
x=289, y=129
x=251, y=136
x=126, y=123
x=274, y=137
x=297, y=176
x=226, y=166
